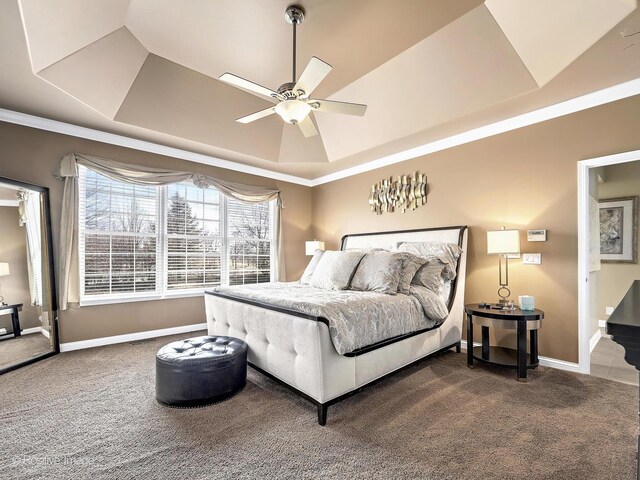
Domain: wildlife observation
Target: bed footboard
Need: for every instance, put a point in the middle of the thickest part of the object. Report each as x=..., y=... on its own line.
x=293, y=349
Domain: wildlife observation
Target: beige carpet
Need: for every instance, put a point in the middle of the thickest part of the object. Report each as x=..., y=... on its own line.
x=92, y=414
x=19, y=349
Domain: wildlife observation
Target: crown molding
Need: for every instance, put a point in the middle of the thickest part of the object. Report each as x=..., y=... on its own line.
x=49, y=125
x=574, y=105
x=584, y=102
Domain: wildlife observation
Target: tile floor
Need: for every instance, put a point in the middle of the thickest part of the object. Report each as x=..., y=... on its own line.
x=607, y=361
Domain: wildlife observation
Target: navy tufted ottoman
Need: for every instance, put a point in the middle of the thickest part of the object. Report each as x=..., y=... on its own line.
x=200, y=371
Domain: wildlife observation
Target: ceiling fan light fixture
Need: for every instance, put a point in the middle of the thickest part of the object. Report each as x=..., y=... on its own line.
x=292, y=100
x=293, y=111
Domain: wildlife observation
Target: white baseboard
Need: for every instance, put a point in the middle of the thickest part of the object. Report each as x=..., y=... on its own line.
x=28, y=331
x=41, y=330
x=544, y=361
x=130, y=337
x=594, y=340
x=559, y=364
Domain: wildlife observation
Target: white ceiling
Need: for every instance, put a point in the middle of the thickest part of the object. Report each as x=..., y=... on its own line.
x=148, y=69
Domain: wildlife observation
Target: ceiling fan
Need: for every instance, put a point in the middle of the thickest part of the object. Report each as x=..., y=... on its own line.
x=292, y=100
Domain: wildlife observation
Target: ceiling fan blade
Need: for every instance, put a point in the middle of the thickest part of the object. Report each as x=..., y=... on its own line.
x=312, y=76
x=307, y=127
x=338, y=107
x=251, y=87
x=258, y=115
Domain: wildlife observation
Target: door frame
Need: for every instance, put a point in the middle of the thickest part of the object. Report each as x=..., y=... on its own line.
x=584, y=309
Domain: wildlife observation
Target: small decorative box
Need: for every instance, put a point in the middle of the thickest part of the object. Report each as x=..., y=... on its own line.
x=527, y=302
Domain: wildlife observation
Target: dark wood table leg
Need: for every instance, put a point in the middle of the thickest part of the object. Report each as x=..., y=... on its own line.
x=469, y=340
x=522, y=351
x=485, y=343
x=533, y=350
x=15, y=320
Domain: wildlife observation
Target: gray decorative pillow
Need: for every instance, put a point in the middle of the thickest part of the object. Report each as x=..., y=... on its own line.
x=335, y=269
x=445, y=253
x=429, y=276
x=308, y=272
x=379, y=271
x=410, y=266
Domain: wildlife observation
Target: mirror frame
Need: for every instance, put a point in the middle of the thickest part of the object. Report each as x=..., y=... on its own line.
x=52, y=280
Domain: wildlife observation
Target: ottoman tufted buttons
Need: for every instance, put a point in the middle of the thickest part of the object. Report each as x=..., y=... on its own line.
x=199, y=371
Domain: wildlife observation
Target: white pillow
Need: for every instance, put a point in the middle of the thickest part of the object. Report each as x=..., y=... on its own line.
x=308, y=272
x=335, y=269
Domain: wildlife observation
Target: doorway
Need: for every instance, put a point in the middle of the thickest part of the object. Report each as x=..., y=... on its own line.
x=598, y=355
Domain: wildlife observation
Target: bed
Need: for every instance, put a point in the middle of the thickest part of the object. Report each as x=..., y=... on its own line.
x=296, y=349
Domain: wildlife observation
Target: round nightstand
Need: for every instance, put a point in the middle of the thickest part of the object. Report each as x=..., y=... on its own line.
x=519, y=320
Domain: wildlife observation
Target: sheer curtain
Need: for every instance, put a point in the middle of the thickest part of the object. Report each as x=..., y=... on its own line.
x=69, y=276
x=29, y=211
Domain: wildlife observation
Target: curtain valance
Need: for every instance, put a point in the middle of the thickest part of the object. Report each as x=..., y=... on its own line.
x=141, y=175
x=69, y=272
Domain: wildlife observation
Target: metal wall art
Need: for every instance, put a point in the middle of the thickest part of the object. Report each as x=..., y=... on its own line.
x=406, y=193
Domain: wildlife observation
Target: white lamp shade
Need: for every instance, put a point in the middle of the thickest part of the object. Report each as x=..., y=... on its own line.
x=311, y=247
x=503, y=242
x=4, y=269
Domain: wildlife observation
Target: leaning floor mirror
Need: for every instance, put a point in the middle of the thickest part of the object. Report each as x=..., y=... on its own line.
x=28, y=312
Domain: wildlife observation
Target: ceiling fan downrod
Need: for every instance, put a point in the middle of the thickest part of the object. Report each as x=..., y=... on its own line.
x=294, y=15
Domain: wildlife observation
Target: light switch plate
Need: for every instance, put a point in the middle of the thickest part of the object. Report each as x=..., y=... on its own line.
x=608, y=310
x=531, y=258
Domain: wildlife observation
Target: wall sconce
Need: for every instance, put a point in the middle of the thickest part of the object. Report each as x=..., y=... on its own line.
x=310, y=247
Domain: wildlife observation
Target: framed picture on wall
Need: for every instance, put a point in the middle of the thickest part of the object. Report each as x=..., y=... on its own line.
x=618, y=230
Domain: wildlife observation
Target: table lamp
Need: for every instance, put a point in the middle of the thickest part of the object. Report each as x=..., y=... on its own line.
x=311, y=247
x=503, y=243
x=4, y=271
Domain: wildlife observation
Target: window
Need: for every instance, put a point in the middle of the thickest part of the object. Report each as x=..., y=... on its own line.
x=152, y=242
x=249, y=242
x=194, y=243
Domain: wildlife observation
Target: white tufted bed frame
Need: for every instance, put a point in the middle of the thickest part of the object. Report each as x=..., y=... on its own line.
x=296, y=349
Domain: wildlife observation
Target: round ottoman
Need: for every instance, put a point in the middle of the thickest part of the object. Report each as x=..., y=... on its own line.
x=200, y=371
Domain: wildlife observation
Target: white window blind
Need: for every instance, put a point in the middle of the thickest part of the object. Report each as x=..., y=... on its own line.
x=249, y=242
x=194, y=243
x=148, y=242
x=119, y=239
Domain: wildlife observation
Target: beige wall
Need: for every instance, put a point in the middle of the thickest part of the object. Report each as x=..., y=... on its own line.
x=522, y=179
x=615, y=278
x=32, y=156
x=15, y=287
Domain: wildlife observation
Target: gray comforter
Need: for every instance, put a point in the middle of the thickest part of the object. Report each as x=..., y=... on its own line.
x=356, y=319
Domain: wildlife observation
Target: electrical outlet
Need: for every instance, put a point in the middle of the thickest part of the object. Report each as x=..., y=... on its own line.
x=531, y=258
x=608, y=310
